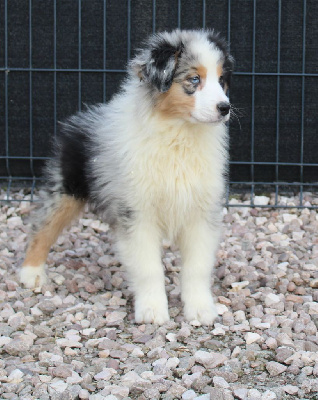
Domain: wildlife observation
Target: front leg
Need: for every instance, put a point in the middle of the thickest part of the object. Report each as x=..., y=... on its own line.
x=140, y=252
x=198, y=243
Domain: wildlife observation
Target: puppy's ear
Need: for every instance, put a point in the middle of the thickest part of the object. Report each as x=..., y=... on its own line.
x=228, y=63
x=157, y=64
x=228, y=67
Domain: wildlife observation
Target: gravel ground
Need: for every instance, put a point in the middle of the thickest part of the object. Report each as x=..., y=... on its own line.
x=76, y=337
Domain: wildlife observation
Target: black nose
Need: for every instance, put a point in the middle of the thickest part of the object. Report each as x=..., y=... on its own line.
x=223, y=108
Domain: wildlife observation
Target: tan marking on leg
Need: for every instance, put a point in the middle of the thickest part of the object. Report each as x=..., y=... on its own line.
x=42, y=241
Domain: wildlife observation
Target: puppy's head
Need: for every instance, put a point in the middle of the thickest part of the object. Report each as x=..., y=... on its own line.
x=189, y=73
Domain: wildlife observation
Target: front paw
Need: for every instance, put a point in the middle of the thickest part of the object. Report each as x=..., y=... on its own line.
x=32, y=277
x=201, y=308
x=151, y=309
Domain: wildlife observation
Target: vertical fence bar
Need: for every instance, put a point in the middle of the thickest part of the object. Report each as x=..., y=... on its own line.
x=104, y=51
x=6, y=95
x=229, y=23
x=54, y=73
x=229, y=44
x=303, y=104
x=79, y=55
x=128, y=29
x=179, y=14
x=278, y=100
x=153, y=16
x=253, y=105
x=31, y=100
x=203, y=14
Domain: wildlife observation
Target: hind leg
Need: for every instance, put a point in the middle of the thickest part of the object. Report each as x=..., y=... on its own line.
x=56, y=215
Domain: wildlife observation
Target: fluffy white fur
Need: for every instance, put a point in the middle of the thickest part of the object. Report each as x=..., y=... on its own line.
x=167, y=170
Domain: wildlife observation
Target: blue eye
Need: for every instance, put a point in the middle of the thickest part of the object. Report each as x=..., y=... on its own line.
x=195, y=80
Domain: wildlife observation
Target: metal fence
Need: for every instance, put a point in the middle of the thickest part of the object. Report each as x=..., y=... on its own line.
x=20, y=164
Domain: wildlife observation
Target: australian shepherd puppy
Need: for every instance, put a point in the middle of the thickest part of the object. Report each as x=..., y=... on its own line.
x=151, y=162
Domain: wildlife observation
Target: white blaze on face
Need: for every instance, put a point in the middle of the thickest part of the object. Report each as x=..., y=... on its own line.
x=210, y=93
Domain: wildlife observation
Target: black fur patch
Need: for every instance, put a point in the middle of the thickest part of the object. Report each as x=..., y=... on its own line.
x=227, y=70
x=73, y=153
x=163, y=64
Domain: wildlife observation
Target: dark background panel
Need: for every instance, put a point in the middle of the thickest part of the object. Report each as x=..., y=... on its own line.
x=312, y=37
x=291, y=36
x=266, y=27
x=240, y=129
x=166, y=14
x=117, y=43
x=311, y=120
x=290, y=119
x=242, y=34
x=18, y=33
x=217, y=16
x=67, y=34
x=42, y=112
x=107, y=21
x=2, y=116
x=42, y=33
x=191, y=15
x=2, y=33
x=92, y=34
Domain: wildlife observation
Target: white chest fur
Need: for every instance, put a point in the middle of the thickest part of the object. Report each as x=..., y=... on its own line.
x=179, y=171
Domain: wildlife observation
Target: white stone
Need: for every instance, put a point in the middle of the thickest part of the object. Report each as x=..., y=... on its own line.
x=137, y=352
x=188, y=395
x=74, y=379
x=310, y=267
x=237, y=286
x=209, y=359
x=261, y=200
x=58, y=279
x=271, y=299
x=14, y=222
x=218, y=331
x=105, y=374
x=4, y=340
x=172, y=362
x=220, y=382
x=252, y=337
x=88, y=331
x=269, y=395
x=171, y=337
x=274, y=368
x=68, y=343
x=287, y=218
x=298, y=235
x=313, y=307
x=290, y=389
x=260, y=221
x=131, y=378
x=239, y=316
x=254, y=394
x=221, y=308
x=271, y=343
x=15, y=376
x=83, y=394
x=59, y=386
x=36, y=312
x=115, y=316
x=240, y=393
